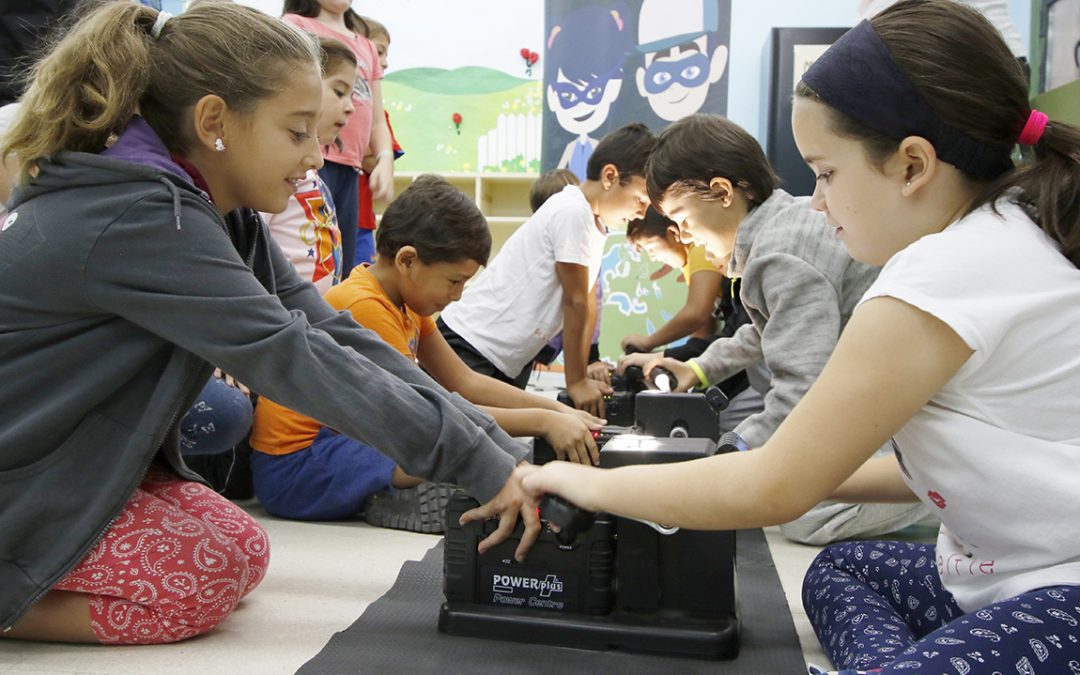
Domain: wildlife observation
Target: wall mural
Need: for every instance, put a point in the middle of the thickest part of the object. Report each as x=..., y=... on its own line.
x=467, y=119
x=607, y=64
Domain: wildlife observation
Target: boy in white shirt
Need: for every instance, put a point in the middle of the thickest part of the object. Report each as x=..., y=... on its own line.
x=541, y=281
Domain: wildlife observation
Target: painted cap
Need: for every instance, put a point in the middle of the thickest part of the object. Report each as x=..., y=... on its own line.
x=664, y=24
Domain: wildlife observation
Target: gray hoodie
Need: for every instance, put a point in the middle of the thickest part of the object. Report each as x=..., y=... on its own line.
x=799, y=286
x=120, y=285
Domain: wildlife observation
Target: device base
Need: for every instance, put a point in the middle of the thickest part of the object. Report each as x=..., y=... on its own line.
x=713, y=638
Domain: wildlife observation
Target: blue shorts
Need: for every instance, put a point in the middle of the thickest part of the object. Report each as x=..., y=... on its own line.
x=329, y=480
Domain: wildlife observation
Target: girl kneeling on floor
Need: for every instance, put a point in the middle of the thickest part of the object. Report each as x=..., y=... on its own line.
x=131, y=261
x=964, y=352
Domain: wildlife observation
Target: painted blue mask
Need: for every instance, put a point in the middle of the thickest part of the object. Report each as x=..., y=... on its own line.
x=690, y=72
x=571, y=94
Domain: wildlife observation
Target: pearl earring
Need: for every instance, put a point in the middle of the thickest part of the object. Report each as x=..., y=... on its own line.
x=219, y=145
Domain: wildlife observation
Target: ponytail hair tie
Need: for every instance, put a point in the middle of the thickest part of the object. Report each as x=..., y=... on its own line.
x=159, y=24
x=1033, y=128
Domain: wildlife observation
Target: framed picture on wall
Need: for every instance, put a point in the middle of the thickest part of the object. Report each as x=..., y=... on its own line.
x=793, y=51
x=1059, y=38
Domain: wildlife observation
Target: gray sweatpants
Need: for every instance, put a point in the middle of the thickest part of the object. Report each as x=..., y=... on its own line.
x=832, y=521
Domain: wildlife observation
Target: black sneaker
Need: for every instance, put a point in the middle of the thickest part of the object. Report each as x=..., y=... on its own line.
x=418, y=509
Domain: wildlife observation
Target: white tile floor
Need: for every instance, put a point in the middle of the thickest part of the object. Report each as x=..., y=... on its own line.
x=322, y=576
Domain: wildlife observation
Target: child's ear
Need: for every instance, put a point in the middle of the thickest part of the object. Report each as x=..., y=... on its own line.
x=914, y=164
x=609, y=176
x=405, y=258
x=722, y=190
x=208, y=117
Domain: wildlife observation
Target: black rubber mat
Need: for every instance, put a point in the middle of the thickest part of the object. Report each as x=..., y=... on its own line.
x=398, y=633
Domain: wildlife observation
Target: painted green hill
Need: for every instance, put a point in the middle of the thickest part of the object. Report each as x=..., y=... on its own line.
x=465, y=80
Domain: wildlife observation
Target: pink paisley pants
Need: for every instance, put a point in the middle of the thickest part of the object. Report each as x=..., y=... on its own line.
x=173, y=565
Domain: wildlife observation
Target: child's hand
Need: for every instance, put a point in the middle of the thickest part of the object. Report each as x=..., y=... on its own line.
x=231, y=382
x=588, y=395
x=595, y=423
x=599, y=371
x=641, y=359
x=661, y=273
x=506, y=505
x=381, y=180
x=572, y=437
x=688, y=379
x=574, y=482
x=640, y=343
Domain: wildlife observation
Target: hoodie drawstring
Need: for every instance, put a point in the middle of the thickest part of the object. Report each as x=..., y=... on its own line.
x=175, y=197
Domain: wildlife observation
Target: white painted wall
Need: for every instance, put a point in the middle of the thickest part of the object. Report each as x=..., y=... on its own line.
x=437, y=33
x=441, y=34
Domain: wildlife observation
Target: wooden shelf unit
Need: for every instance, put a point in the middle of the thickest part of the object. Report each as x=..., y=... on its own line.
x=503, y=198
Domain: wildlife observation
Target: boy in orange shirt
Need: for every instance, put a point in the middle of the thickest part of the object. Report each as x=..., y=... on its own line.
x=432, y=239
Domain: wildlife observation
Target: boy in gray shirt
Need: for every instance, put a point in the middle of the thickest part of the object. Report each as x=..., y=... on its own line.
x=799, y=286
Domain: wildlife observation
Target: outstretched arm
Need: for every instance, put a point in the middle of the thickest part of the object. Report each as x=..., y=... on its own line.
x=518, y=412
x=577, y=298
x=443, y=363
x=702, y=289
x=871, y=386
x=878, y=480
x=727, y=356
x=287, y=347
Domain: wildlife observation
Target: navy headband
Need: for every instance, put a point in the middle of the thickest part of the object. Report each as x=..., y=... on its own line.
x=858, y=77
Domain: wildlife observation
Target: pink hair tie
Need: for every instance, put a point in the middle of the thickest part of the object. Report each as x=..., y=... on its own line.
x=1033, y=129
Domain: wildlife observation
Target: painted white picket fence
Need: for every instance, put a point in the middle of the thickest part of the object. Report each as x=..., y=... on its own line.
x=512, y=136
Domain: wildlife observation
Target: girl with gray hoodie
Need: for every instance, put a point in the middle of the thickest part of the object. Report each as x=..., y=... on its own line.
x=145, y=145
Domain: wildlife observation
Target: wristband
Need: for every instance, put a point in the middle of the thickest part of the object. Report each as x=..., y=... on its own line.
x=384, y=153
x=699, y=372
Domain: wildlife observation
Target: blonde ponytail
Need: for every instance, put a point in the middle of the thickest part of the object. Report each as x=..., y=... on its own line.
x=86, y=88
x=109, y=67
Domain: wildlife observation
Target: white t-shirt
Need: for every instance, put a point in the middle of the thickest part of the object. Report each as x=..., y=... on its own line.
x=308, y=234
x=996, y=453
x=511, y=310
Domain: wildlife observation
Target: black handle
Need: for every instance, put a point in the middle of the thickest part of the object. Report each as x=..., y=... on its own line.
x=570, y=519
x=717, y=398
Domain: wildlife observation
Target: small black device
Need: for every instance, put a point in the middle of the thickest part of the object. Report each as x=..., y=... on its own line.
x=631, y=380
x=679, y=415
x=602, y=582
x=618, y=405
x=544, y=453
x=555, y=577
x=656, y=413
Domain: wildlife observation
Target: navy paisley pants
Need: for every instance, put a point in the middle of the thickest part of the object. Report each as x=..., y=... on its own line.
x=880, y=604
